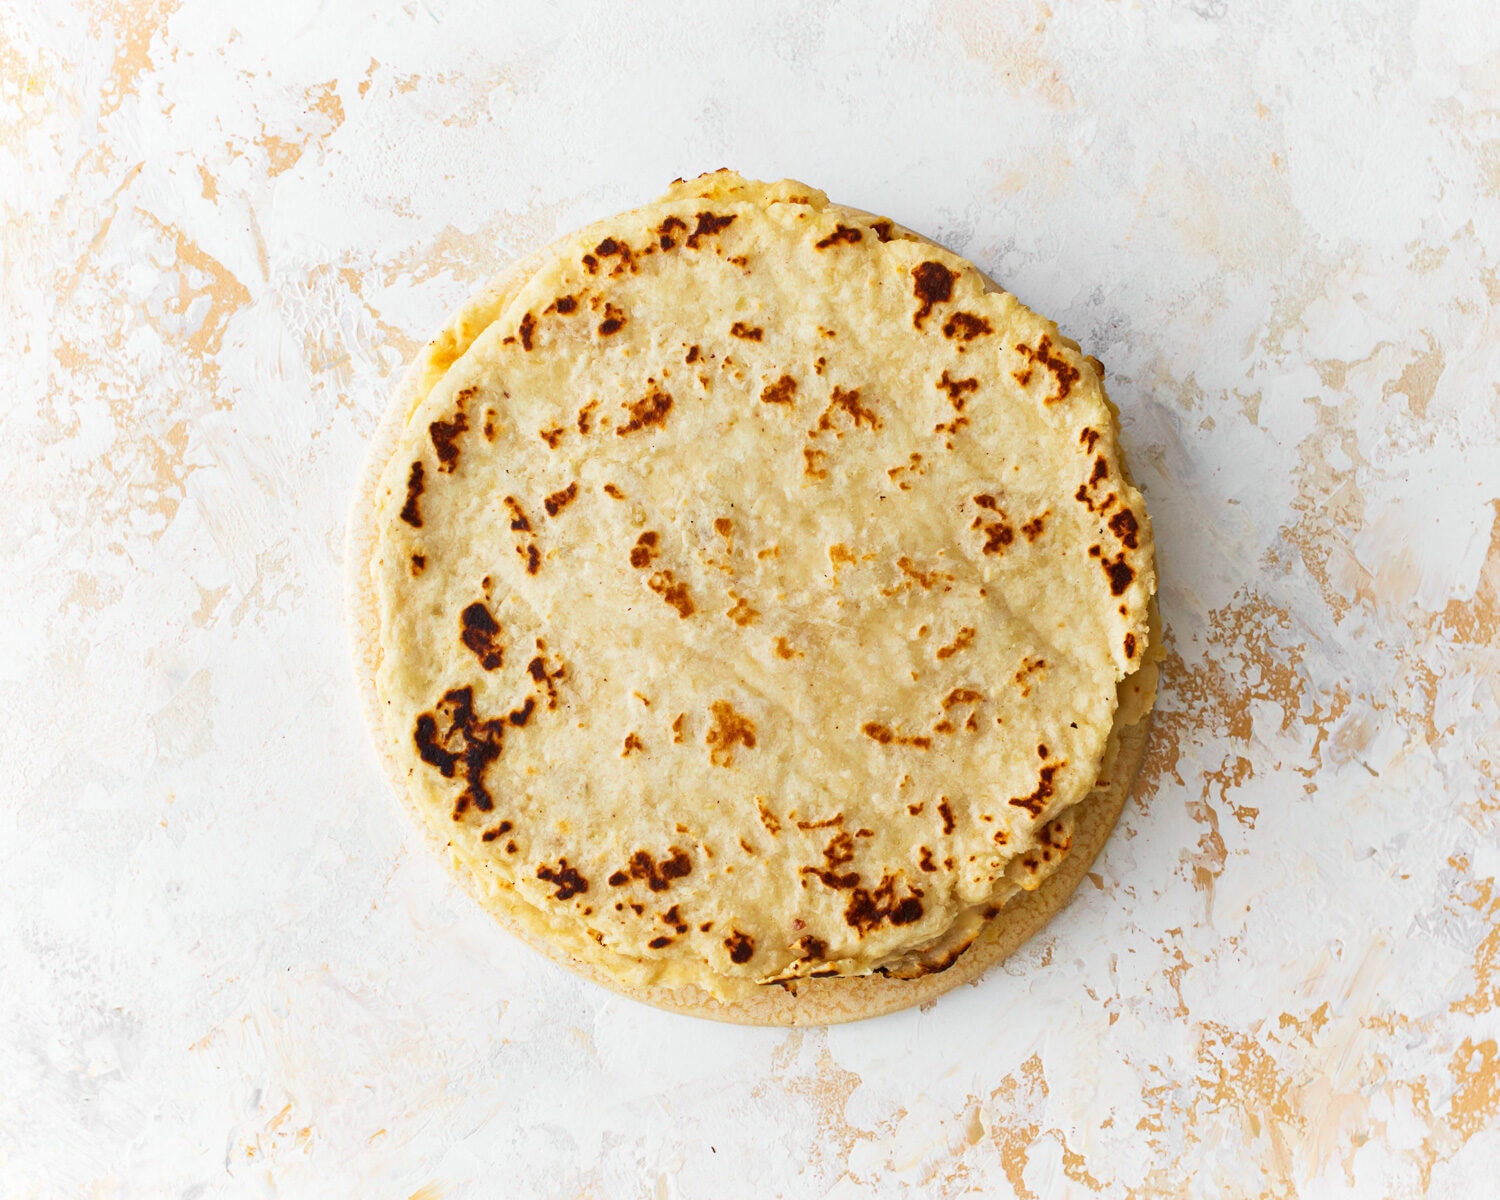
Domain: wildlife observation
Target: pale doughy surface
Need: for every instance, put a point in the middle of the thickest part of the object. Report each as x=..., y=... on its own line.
x=804, y=614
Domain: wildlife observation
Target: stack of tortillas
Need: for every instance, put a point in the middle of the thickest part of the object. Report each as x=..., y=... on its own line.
x=754, y=607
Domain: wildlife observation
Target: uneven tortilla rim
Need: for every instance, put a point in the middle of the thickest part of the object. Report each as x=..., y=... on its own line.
x=805, y=1002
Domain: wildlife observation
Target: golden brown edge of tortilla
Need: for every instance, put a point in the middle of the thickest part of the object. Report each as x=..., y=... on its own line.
x=805, y=1002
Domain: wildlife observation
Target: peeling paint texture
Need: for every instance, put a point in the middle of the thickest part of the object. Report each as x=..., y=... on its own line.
x=227, y=967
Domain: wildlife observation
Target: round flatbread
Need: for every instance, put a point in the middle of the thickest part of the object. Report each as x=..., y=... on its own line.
x=754, y=606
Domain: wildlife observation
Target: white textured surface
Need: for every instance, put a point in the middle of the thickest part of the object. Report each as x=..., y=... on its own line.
x=228, y=966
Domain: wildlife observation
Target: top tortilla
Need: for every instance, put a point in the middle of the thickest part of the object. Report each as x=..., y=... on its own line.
x=794, y=477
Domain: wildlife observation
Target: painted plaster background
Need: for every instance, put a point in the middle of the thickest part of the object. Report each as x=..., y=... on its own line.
x=228, y=968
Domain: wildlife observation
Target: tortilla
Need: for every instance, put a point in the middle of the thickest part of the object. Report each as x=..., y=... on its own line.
x=744, y=590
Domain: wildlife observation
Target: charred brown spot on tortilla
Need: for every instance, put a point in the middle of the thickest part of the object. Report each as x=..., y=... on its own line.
x=677, y=728
x=749, y=333
x=565, y=879
x=932, y=283
x=811, y=949
x=1044, y=791
x=818, y=366
x=1130, y=645
x=1085, y=493
x=780, y=392
x=552, y=436
x=465, y=747
x=925, y=860
x=519, y=716
x=610, y=248
x=846, y=402
x=692, y=355
x=1121, y=574
x=585, y=416
x=838, y=853
x=785, y=649
x=613, y=492
x=445, y=434
x=1064, y=373
x=633, y=745
x=997, y=536
x=841, y=233
x=673, y=917
x=927, y=580
x=959, y=643
x=410, y=512
x=418, y=563
x=644, y=549
x=651, y=409
x=882, y=230
x=1088, y=437
x=729, y=729
x=665, y=585
x=813, y=463
x=1125, y=527
x=657, y=876
x=545, y=679
x=961, y=696
x=951, y=429
x=533, y=557
x=560, y=499
x=495, y=831
x=518, y=519
x=590, y=264
x=1034, y=527
x=526, y=329
x=946, y=813
x=912, y=467
x=741, y=612
x=709, y=224
x=741, y=947
x=1029, y=666
x=886, y=736
x=666, y=229
x=660, y=942
x=565, y=305
x=956, y=389
x=965, y=327
x=480, y=634
x=614, y=320
x=868, y=909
